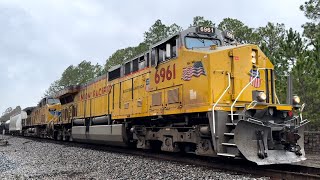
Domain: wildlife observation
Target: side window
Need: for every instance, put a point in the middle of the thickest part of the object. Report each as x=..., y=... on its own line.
x=174, y=48
x=171, y=45
x=127, y=68
x=135, y=65
x=142, y=62
x=153, y=57
x=161, y=54
x=114, y=74
x=62, y=101
x=44, y=102
x=148, y=58
x=164, y=51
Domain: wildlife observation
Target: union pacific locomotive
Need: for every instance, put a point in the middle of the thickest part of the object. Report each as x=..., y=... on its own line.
x=197, y=91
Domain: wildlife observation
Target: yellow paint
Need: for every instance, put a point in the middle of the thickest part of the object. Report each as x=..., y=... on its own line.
x=195, y=95
x=68, y=112
x=41, y=115
x=283, y=107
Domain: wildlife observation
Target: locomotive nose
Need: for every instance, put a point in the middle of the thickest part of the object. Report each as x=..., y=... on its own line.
x=265, y=145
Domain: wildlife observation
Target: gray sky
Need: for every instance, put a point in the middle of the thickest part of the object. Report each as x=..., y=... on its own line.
x=40, y=38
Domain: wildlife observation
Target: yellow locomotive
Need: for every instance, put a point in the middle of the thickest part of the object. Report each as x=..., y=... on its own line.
x=42, y=119
x=197, y=91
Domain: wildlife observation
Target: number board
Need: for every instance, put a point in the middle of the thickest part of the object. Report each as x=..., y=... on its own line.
x=205, y=30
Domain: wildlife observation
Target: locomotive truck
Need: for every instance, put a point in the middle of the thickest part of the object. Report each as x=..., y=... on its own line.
x=197, y=91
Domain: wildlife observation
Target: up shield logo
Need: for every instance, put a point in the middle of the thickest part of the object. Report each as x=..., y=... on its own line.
x=54, y=112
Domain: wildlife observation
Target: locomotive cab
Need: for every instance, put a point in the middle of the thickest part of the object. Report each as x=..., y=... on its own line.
x=43, y=118
x=247, y=117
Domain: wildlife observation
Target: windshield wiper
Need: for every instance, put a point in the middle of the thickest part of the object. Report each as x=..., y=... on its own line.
x=199, y=38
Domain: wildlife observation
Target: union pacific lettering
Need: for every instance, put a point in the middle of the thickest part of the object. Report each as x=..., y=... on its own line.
x=95, y=93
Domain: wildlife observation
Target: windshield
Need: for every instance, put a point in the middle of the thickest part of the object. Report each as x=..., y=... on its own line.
x=53, y=101
x=198, y=42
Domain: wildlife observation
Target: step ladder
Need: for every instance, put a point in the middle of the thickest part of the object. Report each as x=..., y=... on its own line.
x=230, y=149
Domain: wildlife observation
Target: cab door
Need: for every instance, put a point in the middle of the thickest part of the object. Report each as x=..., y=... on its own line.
x=243, y=71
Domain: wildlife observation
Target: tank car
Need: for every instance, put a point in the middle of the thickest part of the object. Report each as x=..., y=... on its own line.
x=5, y=126
x=15, y=126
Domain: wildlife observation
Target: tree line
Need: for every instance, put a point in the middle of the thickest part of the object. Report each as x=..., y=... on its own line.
x=290, y=52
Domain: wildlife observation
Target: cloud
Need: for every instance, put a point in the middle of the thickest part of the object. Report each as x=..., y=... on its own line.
x=39, y=39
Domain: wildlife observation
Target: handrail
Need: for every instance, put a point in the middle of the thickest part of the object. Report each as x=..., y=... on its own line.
x=250, y=105
x=215, y=104
x=255, y=77
x=276, y=97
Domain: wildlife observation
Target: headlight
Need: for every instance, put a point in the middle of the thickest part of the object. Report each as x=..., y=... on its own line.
x=262, y=96
x=253, y=55
x=296, y=99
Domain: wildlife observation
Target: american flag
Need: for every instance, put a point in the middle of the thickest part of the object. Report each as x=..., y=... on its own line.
x=195, y=70
x=257, y=82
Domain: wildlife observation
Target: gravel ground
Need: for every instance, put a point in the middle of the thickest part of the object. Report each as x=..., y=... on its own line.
x=313, y=160
x=27, y=158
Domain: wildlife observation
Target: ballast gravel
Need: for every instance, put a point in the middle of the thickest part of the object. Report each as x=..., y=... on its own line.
x=27, y=158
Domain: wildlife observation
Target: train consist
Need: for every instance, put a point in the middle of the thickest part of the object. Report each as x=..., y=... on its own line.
x=197, y=91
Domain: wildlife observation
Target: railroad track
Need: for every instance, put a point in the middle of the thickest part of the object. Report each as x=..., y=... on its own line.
x=281, y=171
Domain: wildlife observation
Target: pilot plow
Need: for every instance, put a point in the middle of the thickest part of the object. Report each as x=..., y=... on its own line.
x=271, y=143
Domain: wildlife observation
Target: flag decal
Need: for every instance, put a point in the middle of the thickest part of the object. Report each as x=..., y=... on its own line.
x=196, y=70
x=256, y=82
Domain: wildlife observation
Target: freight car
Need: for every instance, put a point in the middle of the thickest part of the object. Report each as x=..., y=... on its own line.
x=197, y=91
x=15, y=126
x=5, y=127
x=19, y=121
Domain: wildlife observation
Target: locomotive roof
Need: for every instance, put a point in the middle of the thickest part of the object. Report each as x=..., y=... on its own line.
x=217, y=32
x=93, y=81
x=29, y=108
x=115, y=67
x=67, y=90
x=131, y=59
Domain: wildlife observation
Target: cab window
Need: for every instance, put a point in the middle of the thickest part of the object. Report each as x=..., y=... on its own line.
x=52, y=101
x=198, y=42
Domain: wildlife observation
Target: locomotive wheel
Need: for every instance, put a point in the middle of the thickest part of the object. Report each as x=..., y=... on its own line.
x=59, y=135
x=55, y=135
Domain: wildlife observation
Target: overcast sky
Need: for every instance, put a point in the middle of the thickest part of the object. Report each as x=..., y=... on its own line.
x=40, y=38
